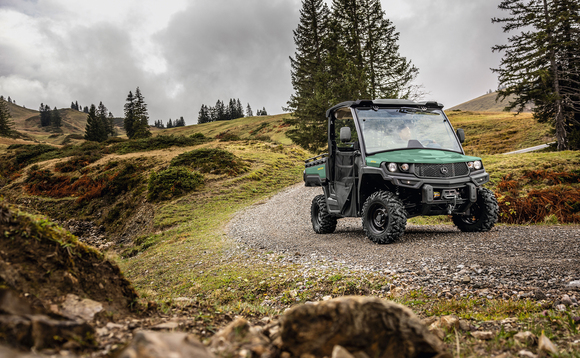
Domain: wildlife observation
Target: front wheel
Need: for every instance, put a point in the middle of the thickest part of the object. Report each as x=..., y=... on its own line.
x=322, y=221
x=384, y=218
x=484, y=213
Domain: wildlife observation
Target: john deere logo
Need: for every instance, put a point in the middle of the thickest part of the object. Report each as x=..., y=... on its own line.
x=444, y=170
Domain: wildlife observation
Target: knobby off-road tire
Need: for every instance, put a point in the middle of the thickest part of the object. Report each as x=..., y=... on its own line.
x=322, y=221
x=384, y=217
x=484, y=213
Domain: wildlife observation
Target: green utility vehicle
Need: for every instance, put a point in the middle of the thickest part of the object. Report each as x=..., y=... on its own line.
x=390, y=160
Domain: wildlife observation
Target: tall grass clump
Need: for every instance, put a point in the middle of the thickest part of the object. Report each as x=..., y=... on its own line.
x=211, y=160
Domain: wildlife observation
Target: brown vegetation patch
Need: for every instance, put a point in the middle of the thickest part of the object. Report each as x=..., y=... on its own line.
x=552, y=178
x=45, y=183
x=555, y=203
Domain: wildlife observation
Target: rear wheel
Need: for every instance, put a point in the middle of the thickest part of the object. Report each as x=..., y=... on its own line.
x=384, y=218
x=484, y=213
x=322, y=221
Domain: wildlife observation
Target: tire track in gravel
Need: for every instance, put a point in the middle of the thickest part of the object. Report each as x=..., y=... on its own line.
x=510, y=258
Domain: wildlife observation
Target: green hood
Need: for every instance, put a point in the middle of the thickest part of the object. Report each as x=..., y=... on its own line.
x=426, y=156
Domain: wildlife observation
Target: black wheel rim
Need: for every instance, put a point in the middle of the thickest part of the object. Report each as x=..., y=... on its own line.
x=475, y=215
x=379, y=218
x=316, y=215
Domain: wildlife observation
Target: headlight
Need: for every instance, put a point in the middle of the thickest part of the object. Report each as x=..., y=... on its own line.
x=470, y=165
x=392, y=167
x=405, y=167
x=477, y=165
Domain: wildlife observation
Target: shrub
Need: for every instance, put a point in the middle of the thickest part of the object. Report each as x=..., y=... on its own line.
x=172, y=182
x=129, y=177
x=29, y=153
x=197, y=136
x=155, y=143
x=227, y=137
x=210, y=160
x=263, y=138
x=77, y=162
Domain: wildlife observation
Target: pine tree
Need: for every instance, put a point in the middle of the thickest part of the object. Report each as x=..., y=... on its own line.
x=130, y=116
x=141, y=123
x=55, y=118
x=86, y=109
x=239, y=109
x=169, y=124
x=106, y=119
x=204, y=115
x=180, y=122
x=111, y=125
x=72, y=105
x=310, y=75
x=219, y=111
x=95, y=129
x=45, y=115
x=541, y=63
x=249, y=112
x=5, y=119
x=77, y=105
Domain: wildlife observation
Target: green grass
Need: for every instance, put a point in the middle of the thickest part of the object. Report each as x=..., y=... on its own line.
x=245, y=128
x=516, y=165
x=494, y=133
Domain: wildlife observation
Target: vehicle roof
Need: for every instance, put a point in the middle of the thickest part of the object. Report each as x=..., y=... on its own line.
x=384, y=103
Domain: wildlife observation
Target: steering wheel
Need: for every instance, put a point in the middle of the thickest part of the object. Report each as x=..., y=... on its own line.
x=429, y=143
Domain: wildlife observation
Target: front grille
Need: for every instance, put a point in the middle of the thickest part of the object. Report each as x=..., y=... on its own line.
x=441, y=170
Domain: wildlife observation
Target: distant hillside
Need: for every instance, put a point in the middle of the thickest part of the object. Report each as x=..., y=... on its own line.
x=259, y=127
x=485, y=103
x=27, y=122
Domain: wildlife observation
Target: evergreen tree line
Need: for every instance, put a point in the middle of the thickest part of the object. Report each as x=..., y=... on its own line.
x=75, y=105
x=5, y=118
x=9, y=100
x=49, y=117
x=345, y=52
x=99, y=123
x=177, y=123
x=221, y=112
x=541, y=63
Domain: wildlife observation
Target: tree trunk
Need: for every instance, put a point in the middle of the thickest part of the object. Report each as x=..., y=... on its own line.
x=559, y=120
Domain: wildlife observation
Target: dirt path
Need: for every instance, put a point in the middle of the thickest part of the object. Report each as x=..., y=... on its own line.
x=508, y=260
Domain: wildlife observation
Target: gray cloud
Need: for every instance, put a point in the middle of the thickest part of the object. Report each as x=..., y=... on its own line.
x=450, y=42
x=224, y=49
x=219, y=49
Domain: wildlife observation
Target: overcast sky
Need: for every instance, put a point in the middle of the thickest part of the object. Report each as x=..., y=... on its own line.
x=185, y=53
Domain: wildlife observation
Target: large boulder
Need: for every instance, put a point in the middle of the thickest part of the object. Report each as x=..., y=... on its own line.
x=373, y=326
x=240, y=338
x=149, y=344
x=24, y=326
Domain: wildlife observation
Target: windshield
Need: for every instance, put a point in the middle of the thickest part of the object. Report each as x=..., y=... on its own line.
x=400, y=128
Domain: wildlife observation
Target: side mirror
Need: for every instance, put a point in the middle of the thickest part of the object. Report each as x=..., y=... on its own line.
x=345, y=135
x=461, y=135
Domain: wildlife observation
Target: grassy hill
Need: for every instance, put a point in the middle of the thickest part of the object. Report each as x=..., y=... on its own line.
x=485, y=103
x=499, y=132
x=259, y=127
x=27, y=122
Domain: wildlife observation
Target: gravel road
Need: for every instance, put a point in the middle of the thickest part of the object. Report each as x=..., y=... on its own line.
x=508, y=261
